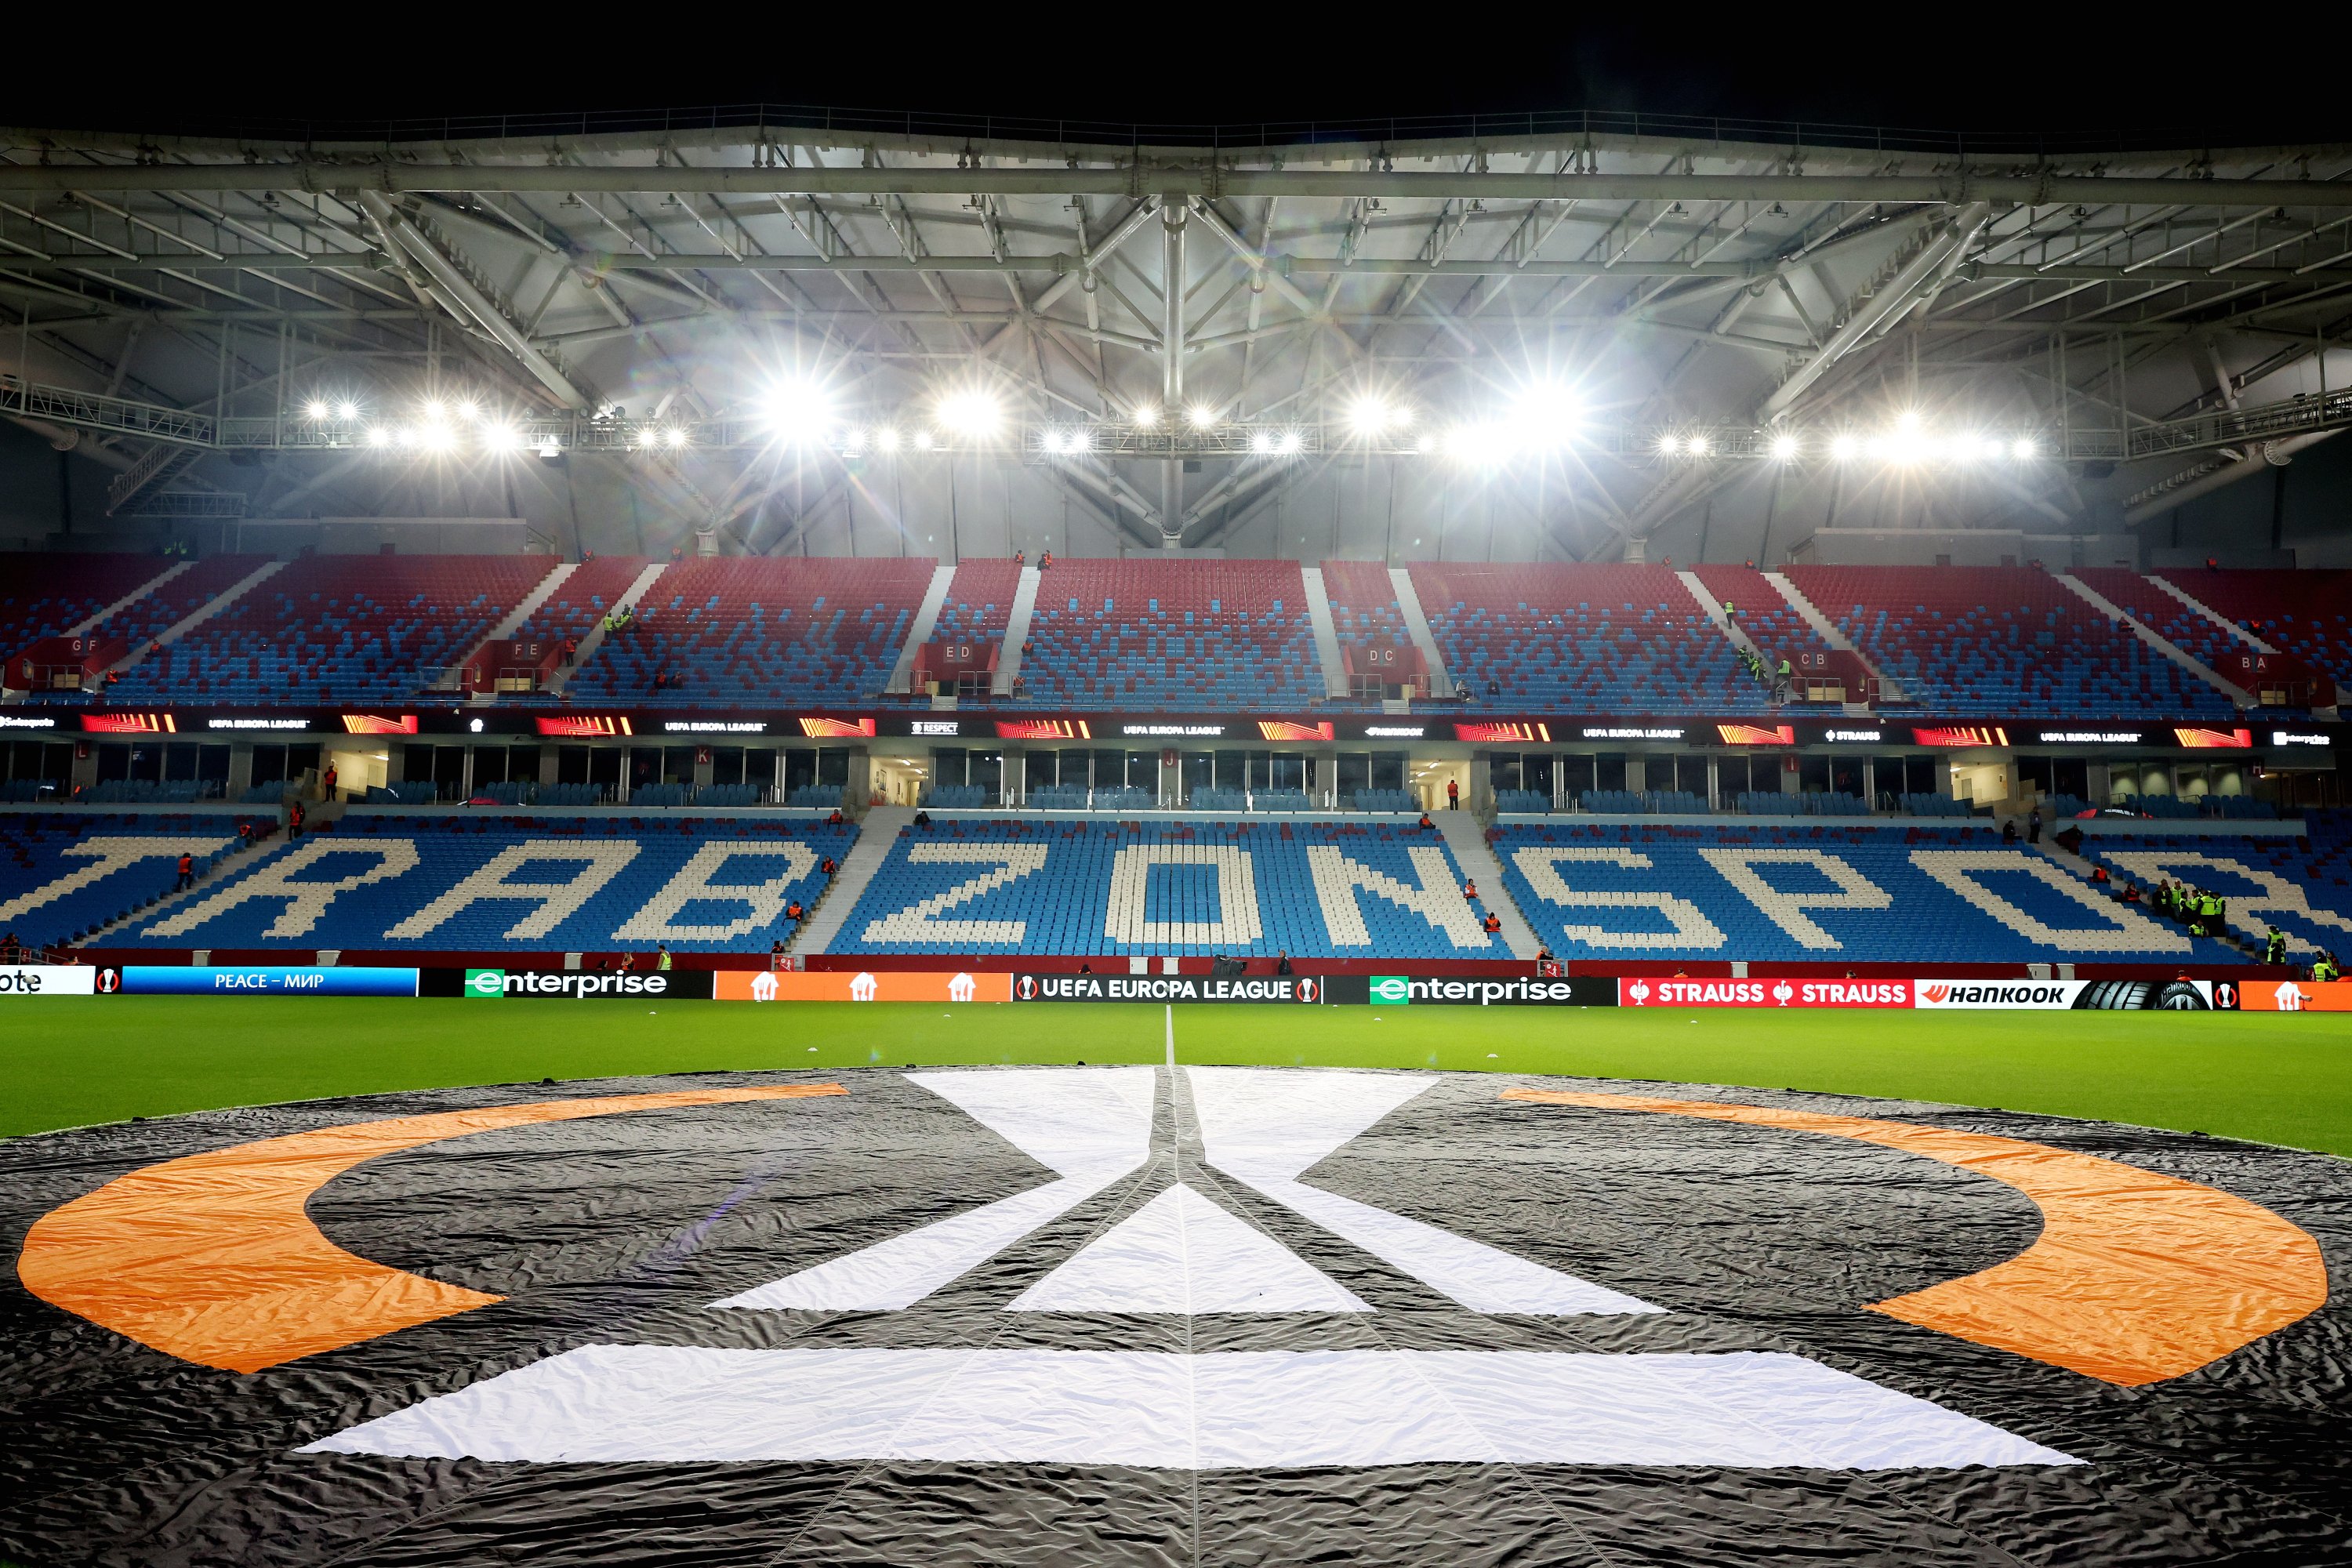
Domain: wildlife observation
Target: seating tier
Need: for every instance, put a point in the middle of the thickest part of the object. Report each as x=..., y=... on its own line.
x=1172, y=634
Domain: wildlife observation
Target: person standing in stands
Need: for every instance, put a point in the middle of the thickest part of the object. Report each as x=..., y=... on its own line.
x=661, y=958
x=1282, y=962
x=294, y=822
x=2275, y=947
x=187, y=874
x=776, y=953
x=2034, y=825
x=1781, y=678
x=1453, y=795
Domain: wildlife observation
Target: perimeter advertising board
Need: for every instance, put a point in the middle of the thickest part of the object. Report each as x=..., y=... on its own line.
x=1236, y=989
x=1680, y=992
x=2080, y=995
x=46, y=980
x=842, y=986
x=2296, y=997
x=1448, y=990
x=207, y=980
x=569, y=985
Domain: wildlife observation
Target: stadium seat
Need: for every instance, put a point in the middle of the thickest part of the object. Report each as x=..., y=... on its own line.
x=1313, y=889
x=1856, y=892
x=478, y=881
x=2302, y=885
x=63, y=872
x=1181, y=635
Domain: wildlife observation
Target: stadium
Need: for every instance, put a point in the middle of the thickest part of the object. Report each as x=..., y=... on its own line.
x=1554, y=838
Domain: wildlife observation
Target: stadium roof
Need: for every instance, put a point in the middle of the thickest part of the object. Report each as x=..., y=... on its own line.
x=1722, y=288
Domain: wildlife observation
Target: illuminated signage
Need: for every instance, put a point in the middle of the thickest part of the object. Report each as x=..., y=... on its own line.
x=1283, y=730
x=1617, y=734
x=1963, y=735
x=1490, y=732
x=2089, y=737
x=130, y=724
x=382, y=723
x=1856, y=735
x=585, y=728
x=939, y=727
x=10, y=721
x=1044, y=729
x=714, y=726
x=2215, y=740
x=256, y=723
x=1394, y=731
x=837, y=729
x=1754, y=734
x=2278, y=737
x=1172, y=730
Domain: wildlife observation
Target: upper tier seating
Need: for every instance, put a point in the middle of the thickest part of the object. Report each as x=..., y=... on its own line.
x=1180, y=635
x=45, y=595
x=583, y=599
x=1364, y=608
x=1328, y=889
x=978, y=605
x=2009, y=641
x=734, y=630
x=63, y=872
x=169, y=604
x=2302, y=613
x=1910, y=895
x=1771, y=622
x=2167, y=616
x=2303, y=886
x=1593, y=640
x=341, y=629
x=480, y=882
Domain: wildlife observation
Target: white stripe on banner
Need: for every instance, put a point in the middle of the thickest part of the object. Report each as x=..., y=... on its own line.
x=1266, y=1128
x=1255, y=1409
x=1089, y=1125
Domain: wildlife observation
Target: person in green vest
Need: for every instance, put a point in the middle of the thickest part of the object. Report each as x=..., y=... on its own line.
x=2275, y=947
x=661, y=957
x=2325, y=969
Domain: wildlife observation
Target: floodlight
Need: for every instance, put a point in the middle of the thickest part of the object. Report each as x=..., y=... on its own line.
x=549, y=449
x=317, y=411
x=404, y=436
x=501, y=437
x=886, y=439
x=646, y=439
x=1288, y=443
x=349, y=410
x=971, y=413
x=1262, y=442
x=1698, y=445
x=1670, y=446
x=1545, y=414
x=433, y=408
x=2022, y=449
x=799, y=410
x=1844, y=448
x=675, y=437
x=470, y=410
x=922, y=440
x=435, y=436
x=1203, y=415
x=1784, y=446
x=378, y=435
x=1371, y=415
x=1147, y=416
x=1907, y=420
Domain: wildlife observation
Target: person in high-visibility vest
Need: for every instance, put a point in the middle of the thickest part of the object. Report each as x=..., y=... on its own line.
x=2275, y=947
x=661, y=956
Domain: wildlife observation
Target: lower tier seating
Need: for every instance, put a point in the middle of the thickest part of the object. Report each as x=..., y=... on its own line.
x=2302, y=885
x=1323, y=889
x=62, y=873
x=475, y=883
x=1909, y=895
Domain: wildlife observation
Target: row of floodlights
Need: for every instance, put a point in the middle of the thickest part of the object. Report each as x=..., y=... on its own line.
x=1539, y=421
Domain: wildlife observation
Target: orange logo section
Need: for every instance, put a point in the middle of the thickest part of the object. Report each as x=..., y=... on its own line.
x=212, y=1258
x=2295, y=995
x=842, y=986
x=2136, y=1277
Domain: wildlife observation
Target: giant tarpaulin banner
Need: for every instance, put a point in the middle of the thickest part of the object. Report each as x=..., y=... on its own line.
x=1179, y=1315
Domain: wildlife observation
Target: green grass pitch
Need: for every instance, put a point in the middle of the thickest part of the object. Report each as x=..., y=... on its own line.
x=69, y=1061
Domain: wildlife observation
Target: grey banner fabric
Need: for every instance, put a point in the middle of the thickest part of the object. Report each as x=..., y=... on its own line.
x=1153, y=1316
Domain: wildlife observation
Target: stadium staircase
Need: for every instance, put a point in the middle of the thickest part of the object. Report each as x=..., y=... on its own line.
x=877, y=833
x=1016, y=631
x=596, y=638
x=1467, y=837
x=82, y=628
x=1327, y=634
x=1714, y=609
x=1441, y=682
x=524, y=609
x=2079, y=868
x=2224, y=624
x=234, y=861
x=920, y=629
x=1826, y=629
x=230, y=597
x=2178, y=654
